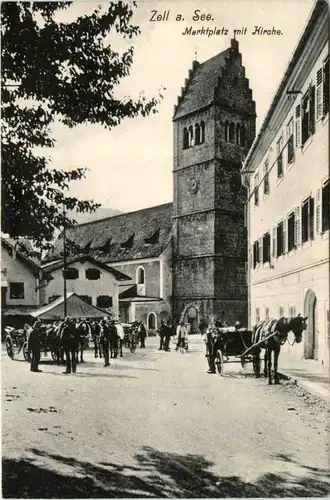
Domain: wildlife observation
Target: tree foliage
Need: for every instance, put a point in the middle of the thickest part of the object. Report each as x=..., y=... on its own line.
x=65, y=71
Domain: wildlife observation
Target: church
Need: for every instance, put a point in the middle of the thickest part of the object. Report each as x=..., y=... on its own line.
x=187, y=260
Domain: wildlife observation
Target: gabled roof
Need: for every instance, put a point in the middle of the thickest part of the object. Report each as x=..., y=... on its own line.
x=53, y=266
x=76, y=308
x=9, y=244
x=123, y=237
x=202, y=83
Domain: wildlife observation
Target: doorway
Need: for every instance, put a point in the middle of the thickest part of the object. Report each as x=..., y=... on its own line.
x=311, y=335
x=191, y=317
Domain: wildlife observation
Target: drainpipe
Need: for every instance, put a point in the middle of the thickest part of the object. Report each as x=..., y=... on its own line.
x=245, y=182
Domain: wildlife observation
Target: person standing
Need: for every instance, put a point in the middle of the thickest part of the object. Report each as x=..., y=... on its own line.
x=70, y=342
x=142, y=335
x=182, y=335
x=121, y=334
x=168, y=335
x=34, y=345
x=105, y=340
x=161, y=333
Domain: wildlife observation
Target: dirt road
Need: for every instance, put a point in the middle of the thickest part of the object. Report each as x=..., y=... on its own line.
x=155, y=424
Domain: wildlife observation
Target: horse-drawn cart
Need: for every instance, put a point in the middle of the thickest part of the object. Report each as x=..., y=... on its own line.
x=16, y=341
x=229, y=345
x=131, y=337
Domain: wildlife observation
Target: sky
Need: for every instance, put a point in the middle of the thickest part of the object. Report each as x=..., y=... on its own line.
x=130, y=167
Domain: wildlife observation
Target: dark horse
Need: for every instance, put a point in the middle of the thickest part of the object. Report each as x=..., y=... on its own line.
x=83, y=330
x=280, y=328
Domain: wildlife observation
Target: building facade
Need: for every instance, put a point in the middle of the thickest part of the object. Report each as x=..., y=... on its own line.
x=287, y=176
x=214, y=127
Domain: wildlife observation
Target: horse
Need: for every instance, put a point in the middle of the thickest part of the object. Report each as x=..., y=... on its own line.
x=114, y=342
x=83, y=330
x=53, y=341
x=280, y=328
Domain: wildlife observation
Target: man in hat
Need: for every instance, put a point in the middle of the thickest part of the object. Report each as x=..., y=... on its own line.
x=105, y=340
x=34, y=345
x=70, y=342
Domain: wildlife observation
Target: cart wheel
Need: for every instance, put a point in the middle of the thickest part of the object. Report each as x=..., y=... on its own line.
x=26, y=353
x=132, y=346
x=256, y=365
x=219, y=361
x=54, y=355
x=9, y=347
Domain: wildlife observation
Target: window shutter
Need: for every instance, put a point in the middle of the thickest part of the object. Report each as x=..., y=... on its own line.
x=298, y=126
x=285, y=232
x=274, y=253
x=312, y=110
x=260, y=251
x=297, y=232
x=311, y=218
x=318, y=212
x=319, y=94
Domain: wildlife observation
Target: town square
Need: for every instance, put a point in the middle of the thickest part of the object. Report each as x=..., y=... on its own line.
x=165, y=250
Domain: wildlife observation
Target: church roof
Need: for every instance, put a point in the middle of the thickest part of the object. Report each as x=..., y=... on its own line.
x=199, y=89
x=134, y=235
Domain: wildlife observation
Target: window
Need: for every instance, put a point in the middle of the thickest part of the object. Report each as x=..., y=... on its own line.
x=92, y=274
x=243, y=138
x=128, y=243
x=308, y=115
x=267, y=313
x=238, y=134
x=279, y=239
x=266, y=248
x=325, y=207
x=326, y=86
x=104, y=301
x=152, y=321
x=281, y=311
x=297, y=227
x=289, y=132
x=256, y=253
x=185, y=139
x=140, y=275
x=71, y=273
x=202, y=133
x=307, y=220
x=298, y=126
x=319, y=94
x=86, y=298
x=257, y=315
x=292, y=311
x=266, y=178
x=232, y=132
x=279, y=148
x=256, y=189
x=197, y=134
x=53, y=297
x=190, y=136
x=16, y=290
x=291, y=230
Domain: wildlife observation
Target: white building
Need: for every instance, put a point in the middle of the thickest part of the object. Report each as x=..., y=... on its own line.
x=286, y=172
x=94, y=282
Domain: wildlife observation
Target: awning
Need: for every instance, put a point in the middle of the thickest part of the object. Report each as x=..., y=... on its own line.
x=76, y=308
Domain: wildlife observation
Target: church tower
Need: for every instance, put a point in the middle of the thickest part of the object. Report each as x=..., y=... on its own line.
x=214, y=127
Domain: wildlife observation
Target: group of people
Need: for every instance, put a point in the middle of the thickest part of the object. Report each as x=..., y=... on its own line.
x=69, y=337
x=168, y=330
x=211, y=338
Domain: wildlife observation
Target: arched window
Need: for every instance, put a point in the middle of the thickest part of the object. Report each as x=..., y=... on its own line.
x=197, y=134
x=243, y=134
x=185, y=139
x=238, y=134
x=152, y=321
x=227, y=131
x=232, y=132
x=202, y=132
x=140, y=281
x=191, y=136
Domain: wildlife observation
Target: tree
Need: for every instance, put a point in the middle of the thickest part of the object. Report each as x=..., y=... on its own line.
x=51, y=71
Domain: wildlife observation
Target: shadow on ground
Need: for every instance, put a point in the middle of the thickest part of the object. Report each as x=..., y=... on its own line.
x=154, y=474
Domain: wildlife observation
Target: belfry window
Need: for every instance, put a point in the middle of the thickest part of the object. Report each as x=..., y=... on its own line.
x=202, y=133
x=185, y=138
x=197, y=134
x=227, y=131
x=191, y=136
x=232, y=133
x=238, y=134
